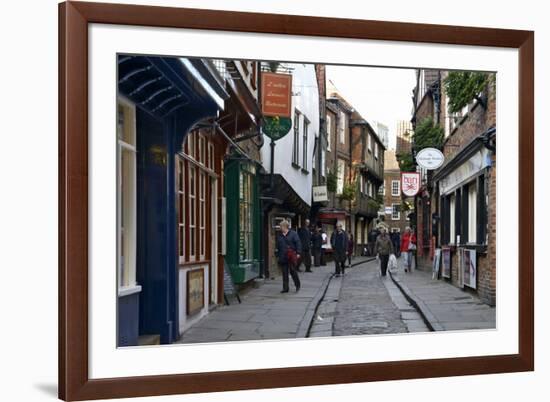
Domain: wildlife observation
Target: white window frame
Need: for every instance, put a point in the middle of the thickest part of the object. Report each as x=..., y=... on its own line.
x=398, y=192
x=296, y=138
x=126, y=267
x=393, y=218
x=305, y=134
x=342, y=127
x=382, y=189
x=340, y=174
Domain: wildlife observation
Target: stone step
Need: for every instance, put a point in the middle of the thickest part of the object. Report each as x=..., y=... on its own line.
x=145, y=340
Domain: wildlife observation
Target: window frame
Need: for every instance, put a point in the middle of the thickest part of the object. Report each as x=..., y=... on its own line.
x=127, y=236
x=398, y=192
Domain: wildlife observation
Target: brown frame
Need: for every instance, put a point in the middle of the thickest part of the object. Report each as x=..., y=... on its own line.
x=74, y=17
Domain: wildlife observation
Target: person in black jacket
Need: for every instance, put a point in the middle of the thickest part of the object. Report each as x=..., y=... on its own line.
x=316, y=246
x=339, y=242
x=305, y=238
x=287, y=239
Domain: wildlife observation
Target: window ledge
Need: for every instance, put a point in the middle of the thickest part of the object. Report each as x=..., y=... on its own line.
x=295, y=165
x=305, y=171
x=128, y=290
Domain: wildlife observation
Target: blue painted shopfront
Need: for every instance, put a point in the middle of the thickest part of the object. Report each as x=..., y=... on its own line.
x=171, y=95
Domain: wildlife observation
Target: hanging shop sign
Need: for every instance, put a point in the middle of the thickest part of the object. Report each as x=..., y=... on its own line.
x=276, y=94
x=410, y=183
x=276, y=127
x=430, y=158
x=320, y=194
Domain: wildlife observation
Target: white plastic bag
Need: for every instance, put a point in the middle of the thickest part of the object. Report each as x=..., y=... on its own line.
x=392, y=264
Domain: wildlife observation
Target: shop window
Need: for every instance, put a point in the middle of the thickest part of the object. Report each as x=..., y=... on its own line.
x=246, y=213
x=202, y=214
x=180, y=187
x=192, y=211
x=472, y=213
x=452, y=223
x=126, y=152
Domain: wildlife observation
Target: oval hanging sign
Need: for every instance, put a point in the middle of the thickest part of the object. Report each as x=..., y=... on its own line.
x=276, y=127
x=430, y=158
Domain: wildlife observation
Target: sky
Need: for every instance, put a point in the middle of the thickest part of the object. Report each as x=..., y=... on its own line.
x=378, y=94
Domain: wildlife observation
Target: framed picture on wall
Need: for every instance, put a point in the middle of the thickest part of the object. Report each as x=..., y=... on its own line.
x=171, y=169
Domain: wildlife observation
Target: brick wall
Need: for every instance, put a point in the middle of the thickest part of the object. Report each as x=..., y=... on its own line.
x=475, y=123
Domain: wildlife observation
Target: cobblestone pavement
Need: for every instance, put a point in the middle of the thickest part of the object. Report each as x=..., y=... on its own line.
x=365, y=305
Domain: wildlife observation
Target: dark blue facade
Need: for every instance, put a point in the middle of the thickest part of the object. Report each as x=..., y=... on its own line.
x=171, y=96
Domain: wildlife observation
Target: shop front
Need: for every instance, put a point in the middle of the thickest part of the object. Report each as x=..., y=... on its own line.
x=467, y=222
x=161, y=100
x=243, y=233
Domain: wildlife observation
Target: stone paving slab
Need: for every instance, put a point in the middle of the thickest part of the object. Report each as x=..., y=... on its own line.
x=264, y=312
x=445, y=306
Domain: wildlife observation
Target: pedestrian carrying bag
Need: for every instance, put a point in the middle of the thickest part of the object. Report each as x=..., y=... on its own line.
x=291, y=255
x=412, y=246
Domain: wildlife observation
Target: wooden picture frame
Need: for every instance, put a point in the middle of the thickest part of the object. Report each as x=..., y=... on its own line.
x=74, y=381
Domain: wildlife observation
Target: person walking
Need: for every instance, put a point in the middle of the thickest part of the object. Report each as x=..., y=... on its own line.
x=396, y=241
x=288, y=250
x=305, y=238
x=339, y=242
x=324, y=247
x=316, y=244
x=350, y=249
x=373, y=235
x=408, y=245
x=383, y=247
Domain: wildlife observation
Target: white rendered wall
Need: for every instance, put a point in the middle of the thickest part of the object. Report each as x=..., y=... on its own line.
x=305, y=98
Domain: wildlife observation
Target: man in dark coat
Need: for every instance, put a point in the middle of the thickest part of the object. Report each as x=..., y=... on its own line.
x=373, y=235
x=316, y=244
x=396, y=241
x=288, y=239
x=305, y=238
x=339, y=242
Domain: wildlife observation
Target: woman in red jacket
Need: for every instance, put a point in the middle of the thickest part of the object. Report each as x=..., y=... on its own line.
x=408, y=245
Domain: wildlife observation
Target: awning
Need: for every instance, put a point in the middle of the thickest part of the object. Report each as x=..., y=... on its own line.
x=162, y=85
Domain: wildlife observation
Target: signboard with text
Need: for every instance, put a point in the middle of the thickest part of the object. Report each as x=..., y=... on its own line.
x=430, y=158
x=410, y=183
x=320, y=194
x=276, y=94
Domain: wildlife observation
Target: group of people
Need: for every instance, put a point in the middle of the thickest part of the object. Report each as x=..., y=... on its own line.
x=296, y=248
x=385, y=245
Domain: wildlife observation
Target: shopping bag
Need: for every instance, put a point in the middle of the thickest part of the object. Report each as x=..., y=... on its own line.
x=392, y=264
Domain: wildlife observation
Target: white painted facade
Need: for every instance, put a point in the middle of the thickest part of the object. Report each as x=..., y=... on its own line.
x=305, y=100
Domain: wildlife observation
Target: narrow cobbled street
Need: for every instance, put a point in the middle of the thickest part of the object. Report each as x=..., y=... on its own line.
x=364, y=304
